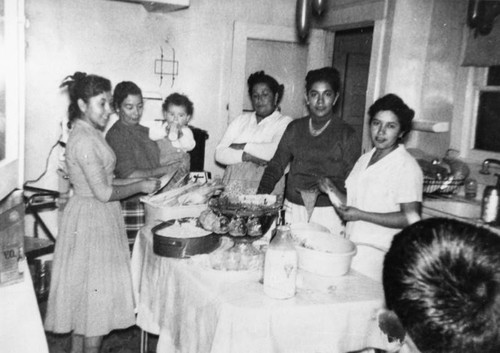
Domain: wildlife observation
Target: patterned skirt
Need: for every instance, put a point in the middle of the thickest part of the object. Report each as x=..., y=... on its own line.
x=134, y=217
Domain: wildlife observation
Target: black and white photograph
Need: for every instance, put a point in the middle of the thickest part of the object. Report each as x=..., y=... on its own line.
x=234, y=176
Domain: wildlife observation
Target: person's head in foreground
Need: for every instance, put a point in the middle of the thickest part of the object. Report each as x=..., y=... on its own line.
x=442, y=279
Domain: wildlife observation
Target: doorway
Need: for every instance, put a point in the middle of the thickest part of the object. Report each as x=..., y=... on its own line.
x=351, y=56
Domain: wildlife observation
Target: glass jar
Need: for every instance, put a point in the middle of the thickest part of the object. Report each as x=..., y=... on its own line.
x=243, y=256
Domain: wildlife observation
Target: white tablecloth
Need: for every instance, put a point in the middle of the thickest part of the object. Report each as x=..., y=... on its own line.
x=21, y=329
x=195, y=309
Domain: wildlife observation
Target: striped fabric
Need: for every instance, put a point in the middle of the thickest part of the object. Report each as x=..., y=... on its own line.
x=134, y=216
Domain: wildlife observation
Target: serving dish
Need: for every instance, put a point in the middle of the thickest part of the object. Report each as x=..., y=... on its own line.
x=232, y=207
x=242, y=222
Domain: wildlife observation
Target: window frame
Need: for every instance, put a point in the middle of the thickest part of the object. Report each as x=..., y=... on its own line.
x=465, y=113
x=12, y=166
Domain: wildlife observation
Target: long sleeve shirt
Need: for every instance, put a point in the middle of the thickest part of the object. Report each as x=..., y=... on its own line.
x=331, y=154
x=133, y=148
x=261, y=138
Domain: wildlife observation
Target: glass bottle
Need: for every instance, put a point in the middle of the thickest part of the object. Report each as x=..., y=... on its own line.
x=280, y=221
x=470, y=188
x=491, y=202
x=280, y=265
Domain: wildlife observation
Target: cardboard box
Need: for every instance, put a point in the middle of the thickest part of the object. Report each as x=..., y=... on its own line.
x=11, y=238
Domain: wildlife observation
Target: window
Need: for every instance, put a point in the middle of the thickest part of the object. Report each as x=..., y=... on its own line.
x=476, y=121
x=487, y=133
x=11, y=94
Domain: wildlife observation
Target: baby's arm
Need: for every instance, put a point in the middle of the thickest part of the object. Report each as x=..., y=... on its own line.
x=186, y=142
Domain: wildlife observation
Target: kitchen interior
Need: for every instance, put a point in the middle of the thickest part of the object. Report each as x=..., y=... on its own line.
x=435, y=54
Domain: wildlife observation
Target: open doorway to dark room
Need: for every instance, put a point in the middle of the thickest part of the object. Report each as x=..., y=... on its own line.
x=351, y=56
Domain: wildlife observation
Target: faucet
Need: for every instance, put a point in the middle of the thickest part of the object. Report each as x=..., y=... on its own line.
x=486, y=164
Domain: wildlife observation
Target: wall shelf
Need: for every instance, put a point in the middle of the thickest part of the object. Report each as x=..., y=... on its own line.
x=431, y=126
x=161, y=5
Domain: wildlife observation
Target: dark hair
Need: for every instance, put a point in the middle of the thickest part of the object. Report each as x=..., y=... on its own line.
x=123, y=90
x=262, y=77
x=442, y=278
x=393, y=103
x=180, y=100
x=83, y=86
x=326, y=74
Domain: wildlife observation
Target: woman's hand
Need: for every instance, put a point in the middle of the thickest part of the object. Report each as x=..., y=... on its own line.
x=349, y=213
x=247, y=157
x=150, y=185
x=326, y=185
x=237, y=146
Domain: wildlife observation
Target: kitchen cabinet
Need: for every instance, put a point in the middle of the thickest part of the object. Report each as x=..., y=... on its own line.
x=161, y=5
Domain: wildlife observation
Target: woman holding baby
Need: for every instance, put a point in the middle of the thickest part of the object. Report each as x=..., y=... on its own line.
x=137, y=155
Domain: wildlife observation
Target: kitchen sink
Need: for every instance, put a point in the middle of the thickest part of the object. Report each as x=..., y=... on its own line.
x=454, y=208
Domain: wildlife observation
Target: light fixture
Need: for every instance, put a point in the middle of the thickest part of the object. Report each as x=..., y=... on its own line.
x=303, y=15
x=481, y=15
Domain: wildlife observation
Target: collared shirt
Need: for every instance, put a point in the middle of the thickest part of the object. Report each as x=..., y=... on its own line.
x=382, y=187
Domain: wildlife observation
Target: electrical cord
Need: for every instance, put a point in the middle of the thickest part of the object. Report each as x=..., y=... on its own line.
x=58, y=142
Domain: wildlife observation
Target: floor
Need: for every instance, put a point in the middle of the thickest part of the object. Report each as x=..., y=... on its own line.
x=119, y=341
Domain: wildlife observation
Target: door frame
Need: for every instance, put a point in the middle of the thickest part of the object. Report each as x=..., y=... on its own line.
x=318, y=44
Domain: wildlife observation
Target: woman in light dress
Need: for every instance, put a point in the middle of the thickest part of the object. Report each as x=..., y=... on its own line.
x=91, y=287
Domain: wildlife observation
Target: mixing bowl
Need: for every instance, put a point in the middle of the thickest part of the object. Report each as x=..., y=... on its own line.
x=323, y=253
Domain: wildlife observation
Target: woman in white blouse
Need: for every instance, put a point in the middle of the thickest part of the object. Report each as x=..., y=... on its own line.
x=252, y=138
x=384, y=189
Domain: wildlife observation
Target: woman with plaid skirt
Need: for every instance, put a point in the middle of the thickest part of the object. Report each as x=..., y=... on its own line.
x=137, y=156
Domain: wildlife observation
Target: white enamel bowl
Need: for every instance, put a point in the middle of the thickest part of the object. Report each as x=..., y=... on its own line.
x=323, y=253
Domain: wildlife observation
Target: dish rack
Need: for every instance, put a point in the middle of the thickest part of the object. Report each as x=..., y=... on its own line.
x=442, y=186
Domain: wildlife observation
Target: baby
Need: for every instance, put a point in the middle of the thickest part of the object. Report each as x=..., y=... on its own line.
x=175, y=138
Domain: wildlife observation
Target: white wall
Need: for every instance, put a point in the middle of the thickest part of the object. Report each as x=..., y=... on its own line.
x=424, y=61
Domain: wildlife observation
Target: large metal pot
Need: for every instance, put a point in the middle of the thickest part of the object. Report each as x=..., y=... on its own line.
x=182, y=247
